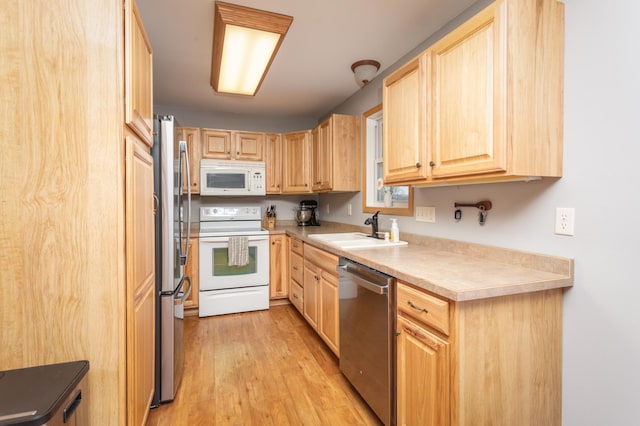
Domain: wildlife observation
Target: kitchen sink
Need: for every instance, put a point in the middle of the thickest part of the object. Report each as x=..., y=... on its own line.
x=354, y=240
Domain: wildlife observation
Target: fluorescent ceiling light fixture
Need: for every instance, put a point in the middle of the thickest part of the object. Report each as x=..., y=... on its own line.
x=245, y=42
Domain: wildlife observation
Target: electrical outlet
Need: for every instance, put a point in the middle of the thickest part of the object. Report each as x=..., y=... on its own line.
x=426, y=214
x=327, y=208
x=349, y=211
x=565, y=221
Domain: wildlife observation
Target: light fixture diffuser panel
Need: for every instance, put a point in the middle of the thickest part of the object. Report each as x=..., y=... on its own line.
x=245, y=56
x=245, y=42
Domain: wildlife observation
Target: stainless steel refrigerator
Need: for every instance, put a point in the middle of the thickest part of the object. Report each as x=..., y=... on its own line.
x=172, y=223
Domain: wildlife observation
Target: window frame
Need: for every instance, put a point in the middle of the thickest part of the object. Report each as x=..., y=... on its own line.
x=369, y=184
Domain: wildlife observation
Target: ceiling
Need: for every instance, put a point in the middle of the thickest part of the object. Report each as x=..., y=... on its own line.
x=311, y=73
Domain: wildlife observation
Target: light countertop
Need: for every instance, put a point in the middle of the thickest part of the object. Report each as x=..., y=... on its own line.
x=455, y=270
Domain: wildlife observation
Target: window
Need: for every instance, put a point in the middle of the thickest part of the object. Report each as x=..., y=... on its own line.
x=376, y=196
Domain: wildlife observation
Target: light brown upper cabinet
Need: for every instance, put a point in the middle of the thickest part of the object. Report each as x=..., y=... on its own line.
x=216, y=144
x=230, y=145
x=335, y=154
x=191, y=135
x=295, y=157
x=273, y=162
x=493, y=100
x=138, y=75
x=404, y=117
x=249, y=146
x=467, y=88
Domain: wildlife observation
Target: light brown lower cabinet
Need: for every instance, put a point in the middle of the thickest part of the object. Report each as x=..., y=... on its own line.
x=321, y=295
x=140, y=295
x=278, y=267
x=422, y=363
x=494, y=361
x=311, y=291
x=192, y=270
x=329, y=321
x=296, y=273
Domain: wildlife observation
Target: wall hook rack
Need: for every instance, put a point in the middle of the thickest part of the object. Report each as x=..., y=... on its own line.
x=484, y=206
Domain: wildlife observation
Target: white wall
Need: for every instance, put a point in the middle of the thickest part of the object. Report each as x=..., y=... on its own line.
x=601, y=344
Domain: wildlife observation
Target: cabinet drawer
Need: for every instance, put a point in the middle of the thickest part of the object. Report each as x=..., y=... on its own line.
x=295, y=295
x=297, y=246
x=424, y=307
x=297, y=268
x=325, y=260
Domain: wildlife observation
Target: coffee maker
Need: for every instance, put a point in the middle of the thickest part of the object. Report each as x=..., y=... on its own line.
x=306, y=213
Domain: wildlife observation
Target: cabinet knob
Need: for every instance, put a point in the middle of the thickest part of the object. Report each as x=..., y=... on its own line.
x=418, y=165
x=432, y=164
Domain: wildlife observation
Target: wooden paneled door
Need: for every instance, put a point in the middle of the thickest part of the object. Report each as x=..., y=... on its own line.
x=191, y=135
x=296, y=176
x=422, y=375
x=273, y=162
x=191, y=269
x=249, y=146
x=405, y=120
x=278, y=267
x=138, y=75
x=140, y=267
x=468, y=97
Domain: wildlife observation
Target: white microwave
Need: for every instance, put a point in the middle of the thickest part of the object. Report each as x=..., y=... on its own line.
x=232, y=178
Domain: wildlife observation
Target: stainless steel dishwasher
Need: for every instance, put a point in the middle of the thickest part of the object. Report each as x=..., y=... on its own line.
x=367, y=348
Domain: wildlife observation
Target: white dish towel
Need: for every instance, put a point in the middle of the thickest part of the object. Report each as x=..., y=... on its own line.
x=238, y=251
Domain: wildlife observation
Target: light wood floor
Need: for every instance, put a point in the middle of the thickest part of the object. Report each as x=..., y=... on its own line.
x=260, y=368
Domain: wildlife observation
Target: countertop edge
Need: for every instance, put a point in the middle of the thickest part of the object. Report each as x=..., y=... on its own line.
x=560, y=274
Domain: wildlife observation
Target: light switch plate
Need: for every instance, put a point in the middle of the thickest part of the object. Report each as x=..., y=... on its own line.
x=426, y=214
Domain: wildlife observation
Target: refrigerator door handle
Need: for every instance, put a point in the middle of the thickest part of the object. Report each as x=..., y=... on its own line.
x=184, y=249
x=176, y=291
x=185, y=294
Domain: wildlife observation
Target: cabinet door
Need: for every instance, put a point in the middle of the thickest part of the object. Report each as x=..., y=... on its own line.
x=191, y=135
x=296, y=174
x=216, y=144
x=249, y=146
x=422, y=376
x=311, y=291
x=273, y=160
x=140, y=268
x=278, y=267
x=468, y=92
x=138, y=75
x=191, y=269
x=321, y=156
x=329, y=328
x=404, y=140
x=344, y=139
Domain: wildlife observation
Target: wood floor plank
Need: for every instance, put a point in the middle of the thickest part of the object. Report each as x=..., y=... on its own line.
x=260, y=368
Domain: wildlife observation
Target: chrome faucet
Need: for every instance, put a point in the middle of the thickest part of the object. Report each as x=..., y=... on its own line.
x=373, y=221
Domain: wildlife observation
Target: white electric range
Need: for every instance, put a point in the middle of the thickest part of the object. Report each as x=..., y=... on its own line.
x=226, y=289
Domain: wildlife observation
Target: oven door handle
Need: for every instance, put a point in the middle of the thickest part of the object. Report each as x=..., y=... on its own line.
x=225, y=239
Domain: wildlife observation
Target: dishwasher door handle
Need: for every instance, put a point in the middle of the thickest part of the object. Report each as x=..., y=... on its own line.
x=378, y=289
